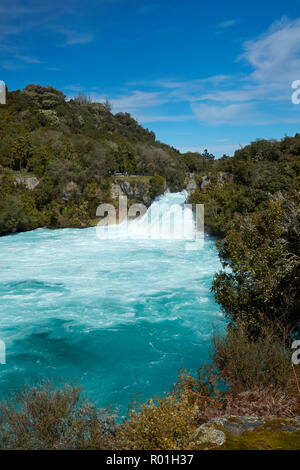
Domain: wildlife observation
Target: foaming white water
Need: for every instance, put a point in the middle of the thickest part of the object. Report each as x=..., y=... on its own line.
x=168, y=218
x=121, y=315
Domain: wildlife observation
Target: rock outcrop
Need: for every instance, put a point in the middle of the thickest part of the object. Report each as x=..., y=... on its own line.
x=137, y=190
x=29, y=181
x=248, y=432
x=190, y=183
x=218, y=179
x=69, y=189
x=221, y=178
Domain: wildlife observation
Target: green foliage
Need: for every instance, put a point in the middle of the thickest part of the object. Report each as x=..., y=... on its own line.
x=262, y=250
x=77, y=143
x=194, y=162
x=160, y=423
x=157, y=186
x=21, y=151
x=44, y=417
x=221, y=203
x=18, y=210
x=252, y=201
x=249, y=363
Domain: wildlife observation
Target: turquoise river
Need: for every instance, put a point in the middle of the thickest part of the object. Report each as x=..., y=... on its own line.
x=120, y=314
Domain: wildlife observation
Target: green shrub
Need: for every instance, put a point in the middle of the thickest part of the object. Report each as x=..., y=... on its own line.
x=262, y=250
x=157, y=186
x=160, y=423
x=247, y=363
x=47, y=418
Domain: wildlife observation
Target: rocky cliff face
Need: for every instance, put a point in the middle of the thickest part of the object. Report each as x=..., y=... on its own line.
x=29, y=182
x=135, y=190
x=190, y=183
x=218, y=179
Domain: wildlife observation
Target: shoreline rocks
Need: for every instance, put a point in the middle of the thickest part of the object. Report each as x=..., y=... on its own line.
x=248, y=432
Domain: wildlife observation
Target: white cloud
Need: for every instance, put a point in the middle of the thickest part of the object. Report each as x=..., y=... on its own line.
x=73, y=38
x=227, y=23
x=224, y=26
x=10, y=65
x=136, y=100
x=131, y=103
x=73, y=87
x=255, y=98
x=188, y=90
x=275, y=56
x=163, y=118
x=230, y=114
x=28, y=59
x=260, y=97
x=230, y=95
x=251, y=92
x=192, y=84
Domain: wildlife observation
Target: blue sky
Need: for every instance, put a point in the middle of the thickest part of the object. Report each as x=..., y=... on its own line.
x=200, y=74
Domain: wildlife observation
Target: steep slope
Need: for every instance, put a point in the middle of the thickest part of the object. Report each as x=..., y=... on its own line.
x=59, y=158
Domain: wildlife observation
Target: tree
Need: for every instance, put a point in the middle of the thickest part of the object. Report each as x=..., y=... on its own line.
x=107, y=105
x=157, y=186
x=82, y=99
x=22, y=151
x=207, y=155
x=262, y=250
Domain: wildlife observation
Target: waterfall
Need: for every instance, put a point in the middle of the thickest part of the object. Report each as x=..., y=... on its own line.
x=168, y=218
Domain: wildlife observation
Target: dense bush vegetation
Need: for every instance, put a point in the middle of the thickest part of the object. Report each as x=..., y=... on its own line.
x=45, y=417
x=252, y=202
x=73, y=148
x=248, y=363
